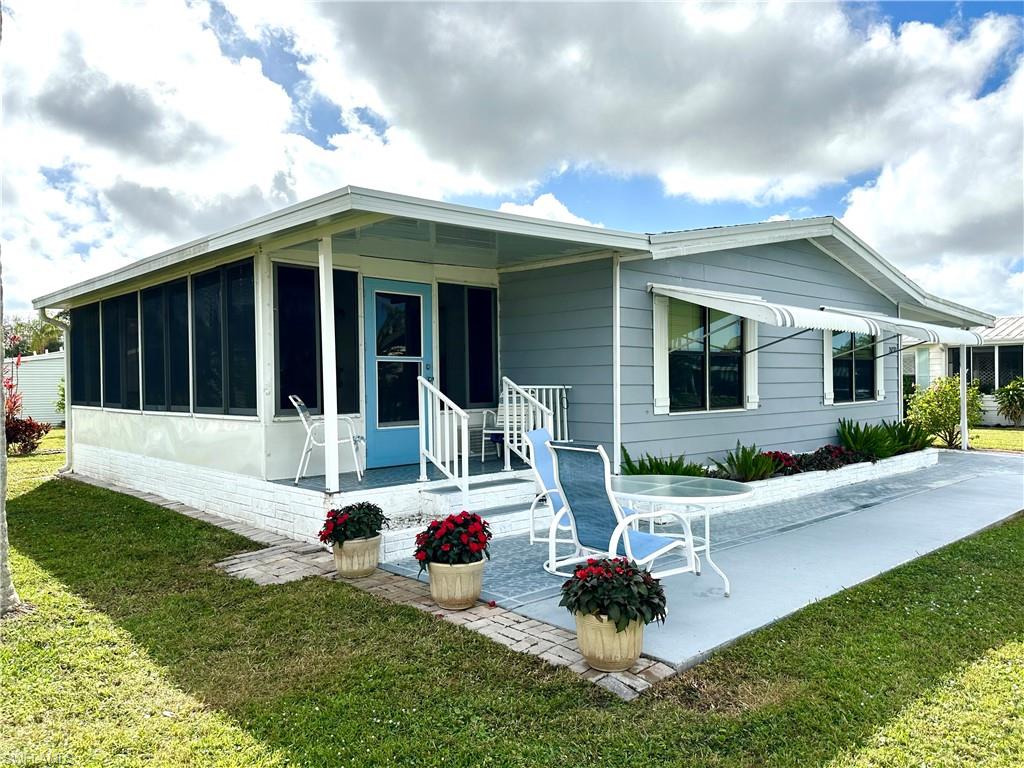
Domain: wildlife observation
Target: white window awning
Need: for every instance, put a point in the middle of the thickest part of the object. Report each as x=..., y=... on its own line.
x=826, y=318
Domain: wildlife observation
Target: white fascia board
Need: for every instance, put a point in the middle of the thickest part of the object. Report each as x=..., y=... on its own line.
x=322, y=207
x=670, y=244
x=375, y=201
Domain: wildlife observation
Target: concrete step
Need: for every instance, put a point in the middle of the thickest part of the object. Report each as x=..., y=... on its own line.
x=483, y=497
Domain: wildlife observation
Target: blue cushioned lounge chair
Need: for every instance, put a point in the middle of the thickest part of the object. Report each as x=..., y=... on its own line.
x=601, y=526
x=561, y=522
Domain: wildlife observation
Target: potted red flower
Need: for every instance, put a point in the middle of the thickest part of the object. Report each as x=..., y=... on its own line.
x=354, y=534
x=453, y=551
x=612, y=600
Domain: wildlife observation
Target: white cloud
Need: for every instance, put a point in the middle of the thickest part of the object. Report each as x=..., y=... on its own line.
x=546, y=206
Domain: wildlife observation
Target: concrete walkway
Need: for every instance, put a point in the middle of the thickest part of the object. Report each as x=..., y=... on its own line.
x=782, y=569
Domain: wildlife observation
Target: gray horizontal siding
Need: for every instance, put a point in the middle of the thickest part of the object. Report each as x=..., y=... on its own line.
x=556, y=328
x=792, y=416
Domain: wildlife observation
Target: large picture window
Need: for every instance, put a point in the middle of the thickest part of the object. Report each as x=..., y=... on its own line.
x=1011, y=363
x=120, y=329
x=705, y=358
x=224, y=339
x=467, y=326
x=84, y=387
x=853, y=367
x=297, y=331
x=165, y=379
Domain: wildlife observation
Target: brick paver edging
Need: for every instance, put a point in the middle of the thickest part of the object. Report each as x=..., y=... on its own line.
x=284, y=560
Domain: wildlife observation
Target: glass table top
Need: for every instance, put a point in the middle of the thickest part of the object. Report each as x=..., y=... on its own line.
x=677, y=487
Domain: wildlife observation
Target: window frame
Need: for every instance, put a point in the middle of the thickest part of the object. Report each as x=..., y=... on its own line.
x=166, y=333
x=465, y=288
x=749, y=384
x=876, y=346
x=291, y=413
x=225, y=407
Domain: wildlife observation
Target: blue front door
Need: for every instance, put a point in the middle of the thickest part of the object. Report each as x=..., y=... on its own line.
x=399, y=347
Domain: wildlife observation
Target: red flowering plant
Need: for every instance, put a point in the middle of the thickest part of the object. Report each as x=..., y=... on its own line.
x=615, y=587
x=786, y=462
x=456, y=540
x=362, y=520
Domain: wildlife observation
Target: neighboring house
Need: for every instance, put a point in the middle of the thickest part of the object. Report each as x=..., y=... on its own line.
x=38, y=377
x=997, y=361
x=182, y=363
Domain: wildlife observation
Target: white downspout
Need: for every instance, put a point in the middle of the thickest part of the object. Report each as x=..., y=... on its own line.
x=68, y=441
x=328, y=354
x=964, y=438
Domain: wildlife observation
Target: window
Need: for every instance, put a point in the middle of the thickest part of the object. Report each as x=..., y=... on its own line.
x=165, y=380
x=120, y=327
x=853, y=367
x=85, y=355
x=982, y=362
x=1011, y=363
x=699, y=363
x=468, y=333
x=297, y=329
x=953, y=361
x=224, y=339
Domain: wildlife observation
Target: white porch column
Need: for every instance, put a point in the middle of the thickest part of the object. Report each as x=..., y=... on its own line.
x=329, y=364
x=964, y=437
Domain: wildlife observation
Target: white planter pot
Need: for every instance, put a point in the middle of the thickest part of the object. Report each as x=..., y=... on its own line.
x=456, y=586
x=357, y=557
x=603, y=647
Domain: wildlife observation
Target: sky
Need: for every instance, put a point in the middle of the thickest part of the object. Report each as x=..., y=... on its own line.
x=131, y=128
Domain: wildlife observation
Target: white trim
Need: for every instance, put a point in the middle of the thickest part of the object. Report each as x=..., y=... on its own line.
x=329, y=365
x=845, y=265
x=661, y=394
x=828, y=395
x=751, y=397
x=616, y=364
x=880, y=369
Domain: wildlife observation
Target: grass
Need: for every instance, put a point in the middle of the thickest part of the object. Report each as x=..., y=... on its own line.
x=139, y=653
x=998, y=438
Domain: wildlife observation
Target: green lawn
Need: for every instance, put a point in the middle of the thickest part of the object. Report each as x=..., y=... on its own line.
x=997, y=438
x=139, y=653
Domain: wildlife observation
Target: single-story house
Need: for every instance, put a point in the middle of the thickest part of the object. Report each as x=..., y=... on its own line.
x=994, y=363
x=37, y=378
x=412, y=318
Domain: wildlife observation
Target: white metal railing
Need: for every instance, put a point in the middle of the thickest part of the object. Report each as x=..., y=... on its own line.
x=521, y=413
x=444, y=436
x=555, y=397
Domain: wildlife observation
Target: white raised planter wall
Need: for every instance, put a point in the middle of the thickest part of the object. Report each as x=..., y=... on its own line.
x=806, y=483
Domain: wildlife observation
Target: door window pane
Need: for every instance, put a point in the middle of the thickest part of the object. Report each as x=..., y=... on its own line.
x=85, y=355
x=208, y=333
x=298, y=349
x=480, y=347
x=842, y=367
x=686, y=360
x=468, y=342
x=864, y=368
x=453, y=367
x=983, y=368
x=1011, y=363
x=396, y=393
x=398, y=325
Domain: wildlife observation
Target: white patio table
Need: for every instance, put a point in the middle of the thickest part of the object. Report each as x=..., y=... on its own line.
x=694, y=494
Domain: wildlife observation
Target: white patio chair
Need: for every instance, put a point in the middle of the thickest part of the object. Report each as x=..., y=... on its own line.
x=601, y=526
x=561, y=522
x=346, y=431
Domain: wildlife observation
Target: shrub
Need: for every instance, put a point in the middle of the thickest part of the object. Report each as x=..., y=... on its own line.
x=616, y=588
x=1010, y=399
x=872, y=440
x=456, y=540
x=655, y=465
x=24, y=435
x=362, y=520
x=786, y=462
x=828, y=457
x=937, y=409
x=907, y=437
x=58, y=405
x=746, y=463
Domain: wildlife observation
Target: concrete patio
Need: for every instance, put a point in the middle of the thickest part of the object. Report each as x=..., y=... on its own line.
x=782, y=557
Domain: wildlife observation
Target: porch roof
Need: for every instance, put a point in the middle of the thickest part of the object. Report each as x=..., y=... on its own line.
x=824, y=318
